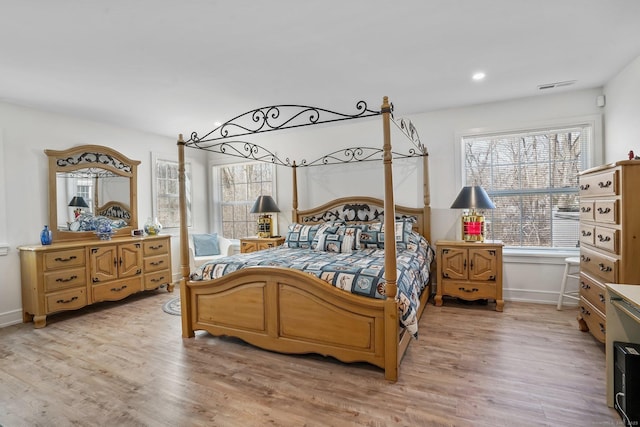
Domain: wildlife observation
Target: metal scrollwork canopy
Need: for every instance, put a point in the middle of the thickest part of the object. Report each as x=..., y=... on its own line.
x=279, y=117
x=287, y=116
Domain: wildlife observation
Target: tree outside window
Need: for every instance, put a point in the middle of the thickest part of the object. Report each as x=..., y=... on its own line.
x=239, y=186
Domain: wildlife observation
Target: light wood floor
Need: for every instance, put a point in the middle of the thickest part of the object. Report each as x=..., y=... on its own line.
x=125, y=364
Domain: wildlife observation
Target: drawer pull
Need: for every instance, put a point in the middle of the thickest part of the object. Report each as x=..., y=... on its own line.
x=468, y=290
x=585, y=311
x=584, y=285
x=157, y=262
x=586, y=233
x=584, y=187
x=604, y=211
x=602, y=328
x=67, y=280
x=71, y=258
x=604, y=268
x=157, y=247
x=66, y=301
x=584, y=258
x=601, y=298
x=585, y=209
x=604, y=184
x=604, y=238
x=159, y=279
x=119, y=289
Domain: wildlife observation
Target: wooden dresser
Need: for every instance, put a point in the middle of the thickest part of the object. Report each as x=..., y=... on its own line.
x=70, y=275
x=609, y=237
x=469, y=270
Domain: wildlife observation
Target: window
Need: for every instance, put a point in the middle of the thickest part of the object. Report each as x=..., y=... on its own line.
x=532, y=178
x=166, y=206
x=237, y=188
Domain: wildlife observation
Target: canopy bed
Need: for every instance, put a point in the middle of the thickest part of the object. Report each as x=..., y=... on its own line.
x=290, y=311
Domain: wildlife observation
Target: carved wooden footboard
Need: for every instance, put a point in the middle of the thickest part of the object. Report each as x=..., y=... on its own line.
x=289, y=311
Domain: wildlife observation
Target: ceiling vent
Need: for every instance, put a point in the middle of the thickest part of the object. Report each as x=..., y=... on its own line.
x=556, y=84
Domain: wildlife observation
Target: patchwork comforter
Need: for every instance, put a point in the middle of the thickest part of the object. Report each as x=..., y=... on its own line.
x=360, y=272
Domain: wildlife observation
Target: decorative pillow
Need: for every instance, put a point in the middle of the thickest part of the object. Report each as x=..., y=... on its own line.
x=403, y=230
x=339, y=243
x=300, y=236
x=206, y=244
x=353, y=233
x=323, y=231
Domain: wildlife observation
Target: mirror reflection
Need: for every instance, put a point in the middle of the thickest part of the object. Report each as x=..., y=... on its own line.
x=83, y=193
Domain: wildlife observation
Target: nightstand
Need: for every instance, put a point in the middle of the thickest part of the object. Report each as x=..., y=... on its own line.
x=252, y=244
x=469, y=271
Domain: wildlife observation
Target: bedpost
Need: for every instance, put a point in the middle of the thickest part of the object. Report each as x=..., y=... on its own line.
x=426, y=219
x=391, y=322
x=185, y=294
x=294, y=214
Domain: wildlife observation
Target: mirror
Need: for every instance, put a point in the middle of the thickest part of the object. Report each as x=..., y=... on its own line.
x=90, y=186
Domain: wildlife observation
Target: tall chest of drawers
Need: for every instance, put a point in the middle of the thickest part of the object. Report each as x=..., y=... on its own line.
x=70, y=275
x=609, y=237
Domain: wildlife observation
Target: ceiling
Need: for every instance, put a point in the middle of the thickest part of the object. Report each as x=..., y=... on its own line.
x=169, y=66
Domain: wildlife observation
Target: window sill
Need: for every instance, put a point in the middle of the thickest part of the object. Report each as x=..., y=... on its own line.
x=538, y=256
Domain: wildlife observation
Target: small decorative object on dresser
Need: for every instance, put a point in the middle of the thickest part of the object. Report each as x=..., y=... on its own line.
x=252, y=244
x=609, y=243
x=470, y=271
x=45, y=236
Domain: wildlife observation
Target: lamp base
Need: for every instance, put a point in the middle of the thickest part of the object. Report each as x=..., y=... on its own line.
x=473, y=227
x=264, y=226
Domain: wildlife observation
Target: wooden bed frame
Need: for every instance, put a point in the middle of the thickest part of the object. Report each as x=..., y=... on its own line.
x=288, y=311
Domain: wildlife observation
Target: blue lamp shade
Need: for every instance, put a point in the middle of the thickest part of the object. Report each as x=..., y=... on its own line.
x=473, y=224
x=78, y=202
x=473, y=197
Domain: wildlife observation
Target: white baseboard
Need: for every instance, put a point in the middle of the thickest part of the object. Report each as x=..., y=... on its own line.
x=10, y=318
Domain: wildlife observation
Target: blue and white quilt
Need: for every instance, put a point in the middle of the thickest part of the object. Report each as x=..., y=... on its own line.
x=360, y=271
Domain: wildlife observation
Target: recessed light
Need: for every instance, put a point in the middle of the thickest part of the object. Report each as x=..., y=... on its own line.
x=478, y=76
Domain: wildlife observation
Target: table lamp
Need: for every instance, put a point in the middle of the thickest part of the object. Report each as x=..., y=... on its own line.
x=264, y=205
x=78, y=202
x=473, y=225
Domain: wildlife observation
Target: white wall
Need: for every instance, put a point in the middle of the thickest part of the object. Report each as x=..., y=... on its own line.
x=26, y=133
x=622, y=130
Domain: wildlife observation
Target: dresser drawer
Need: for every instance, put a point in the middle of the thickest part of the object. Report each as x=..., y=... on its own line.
x=469, y=291
x=64, y=259
x=587, y=234
x=64, y=279
x=157, y=247
x=600, y=184
x=586, y=210
x=154, y=280
x=114, y=291
x=607, y=239
x=593, y=291
x=606, y=211
x=156, y=263
x=66, y=300
x=601, y=266
x=594, y=319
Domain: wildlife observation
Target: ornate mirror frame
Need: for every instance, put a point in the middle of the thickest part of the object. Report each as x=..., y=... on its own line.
x=96, y=162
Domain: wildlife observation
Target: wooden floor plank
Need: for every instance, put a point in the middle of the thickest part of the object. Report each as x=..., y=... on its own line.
x=126, y=364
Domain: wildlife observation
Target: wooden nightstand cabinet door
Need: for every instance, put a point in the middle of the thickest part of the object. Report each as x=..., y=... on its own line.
x=483, y=264
x=247, y=246
x=454, y=263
